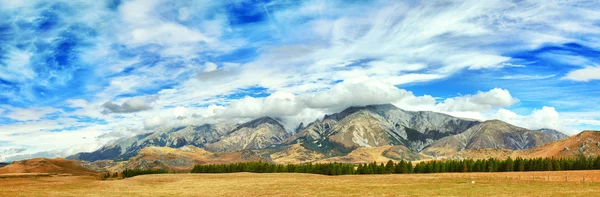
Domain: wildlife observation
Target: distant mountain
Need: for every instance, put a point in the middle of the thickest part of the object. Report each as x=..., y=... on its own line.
x=125, y=148
x=378, y=125
x=491, y=134
x=256, y=134
x=586, y=143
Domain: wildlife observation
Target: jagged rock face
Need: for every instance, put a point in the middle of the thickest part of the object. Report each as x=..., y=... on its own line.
x=490, y=134
x=363, y=129
x=257, y=134
x=378, y=125
x=177, y=137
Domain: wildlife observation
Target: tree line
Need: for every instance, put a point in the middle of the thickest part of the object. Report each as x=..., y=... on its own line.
x=406, y=167
x=391, y=167
x=263, y=167
x=134, y=172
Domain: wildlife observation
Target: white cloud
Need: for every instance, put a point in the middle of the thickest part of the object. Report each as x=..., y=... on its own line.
x=527, y=77
x=481, y=101
x=153, y=122
x=167, y=33
x=209, y=66
x=129, y=106
x=360, y=92
x=276, y=105
x=584, y=74
x=545, y=118
x=17, y=67
x=28, y=114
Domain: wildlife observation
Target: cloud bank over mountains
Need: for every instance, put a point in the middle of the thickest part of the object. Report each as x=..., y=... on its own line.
x=86, y=72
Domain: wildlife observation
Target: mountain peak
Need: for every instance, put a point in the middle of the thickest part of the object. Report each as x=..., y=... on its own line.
x=262, y=120
x=353, y=109
x=495, y=121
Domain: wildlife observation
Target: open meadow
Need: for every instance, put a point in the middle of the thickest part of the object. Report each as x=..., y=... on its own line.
x=251, y=184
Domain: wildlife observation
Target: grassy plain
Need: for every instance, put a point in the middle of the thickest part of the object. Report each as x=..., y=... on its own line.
x=249, y=184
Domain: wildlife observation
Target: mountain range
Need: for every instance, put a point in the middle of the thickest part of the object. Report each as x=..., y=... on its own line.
x=354, y=135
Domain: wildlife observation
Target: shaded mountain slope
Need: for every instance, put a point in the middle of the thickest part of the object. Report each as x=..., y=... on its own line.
x=489, y=134
x=256, y=134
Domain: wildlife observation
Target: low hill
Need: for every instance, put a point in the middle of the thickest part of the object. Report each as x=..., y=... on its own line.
x=380, y=154
x=292, y=154
x=182, y=159
x=43, y=165
x=586, y=143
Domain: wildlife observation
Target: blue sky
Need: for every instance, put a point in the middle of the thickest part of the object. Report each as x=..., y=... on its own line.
x=77, y=74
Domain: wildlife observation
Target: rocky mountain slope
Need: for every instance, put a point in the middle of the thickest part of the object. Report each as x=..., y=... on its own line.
x=490, y=134
x=378, y=125
x=125, y=148
x=256, y=134
x=586, y=143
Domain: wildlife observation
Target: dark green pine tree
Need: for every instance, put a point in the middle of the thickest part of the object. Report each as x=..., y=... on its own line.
x=389, y=167
x=399, y=168
x=508, y=165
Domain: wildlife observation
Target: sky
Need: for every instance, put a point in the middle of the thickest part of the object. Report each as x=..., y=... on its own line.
x=75, y=75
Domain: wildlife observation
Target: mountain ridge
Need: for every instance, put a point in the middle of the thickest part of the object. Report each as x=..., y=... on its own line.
x=335, y=135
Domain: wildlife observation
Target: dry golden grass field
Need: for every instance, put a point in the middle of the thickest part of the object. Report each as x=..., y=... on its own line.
x=249, y=184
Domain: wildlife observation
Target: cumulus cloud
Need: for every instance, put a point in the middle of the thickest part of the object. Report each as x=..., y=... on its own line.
x=361, y=92
x=129, y=106
x=153, y=122
x=585, y=74
x=276, y=105
x=494, y=98
x=545, y=118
